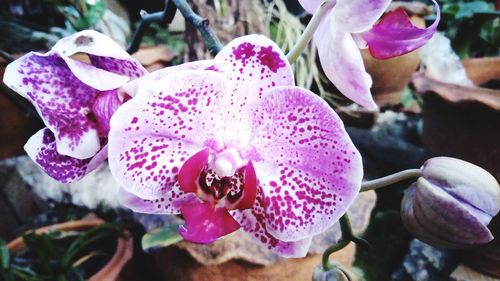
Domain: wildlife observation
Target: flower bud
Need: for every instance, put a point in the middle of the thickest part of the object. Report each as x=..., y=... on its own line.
x=451, y=204
x=336, y=273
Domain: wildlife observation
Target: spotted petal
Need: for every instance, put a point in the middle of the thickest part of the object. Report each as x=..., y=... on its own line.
x=308, y=169
x=257, y=64
x=395, y=35
x=41, y=148
x=60, y=98
x=253, y=221
x=357, y=16
x=148, y=82
x=343, y=64
x=152, y=135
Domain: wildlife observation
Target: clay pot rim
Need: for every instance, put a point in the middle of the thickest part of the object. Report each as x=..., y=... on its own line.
x=123, y=252
x=454, y=93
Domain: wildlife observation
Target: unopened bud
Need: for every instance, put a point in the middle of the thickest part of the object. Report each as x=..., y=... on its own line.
x=451, y=204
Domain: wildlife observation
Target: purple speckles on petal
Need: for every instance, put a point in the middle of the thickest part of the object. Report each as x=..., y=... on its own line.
x=310, y=171
x=244, y=52
x=129, y=68
x=41, y=148
x=271, y=59
x=152, y=135
x=61, y=99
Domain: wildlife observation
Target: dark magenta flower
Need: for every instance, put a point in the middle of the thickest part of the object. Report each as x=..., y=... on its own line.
x=351, y=24
x=232, y=143
x=75, y=99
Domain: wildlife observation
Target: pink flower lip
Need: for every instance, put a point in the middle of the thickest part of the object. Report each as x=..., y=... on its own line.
x=237, y=191
x=207, y=217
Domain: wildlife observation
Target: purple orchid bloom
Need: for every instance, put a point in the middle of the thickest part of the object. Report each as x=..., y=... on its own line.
x=75, y=99
x=350, y=24
x=231, y=143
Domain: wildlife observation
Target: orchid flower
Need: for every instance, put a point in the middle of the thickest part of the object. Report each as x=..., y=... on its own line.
x=353, y=23
x=231, y=143
x=75, y=100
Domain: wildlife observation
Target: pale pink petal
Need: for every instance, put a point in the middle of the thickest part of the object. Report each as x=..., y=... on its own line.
x=152, y=135
x=94, y=77
x=41, y=148
x=357, y=16
x=395, y=35
x=204, y=223
x=103, y=107
x=111, y=66
x=343, y=65
x=310, y=5
x=253, y=221
x=308, y=168
x=256, y=64
x=60, y=98
x=147, y=82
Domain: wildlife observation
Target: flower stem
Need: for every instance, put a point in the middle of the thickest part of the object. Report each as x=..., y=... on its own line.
x=388, y=180
x=347, y=237
x=332, y=249
x=211, y=40
x=306, y=37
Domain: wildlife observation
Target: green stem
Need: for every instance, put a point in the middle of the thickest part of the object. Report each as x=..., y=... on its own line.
x=347, y=236
x=388, y=180
x=306, y=37
x=332, y=249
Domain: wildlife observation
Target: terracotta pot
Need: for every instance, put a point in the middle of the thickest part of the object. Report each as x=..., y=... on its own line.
x=461, y=122
x=482, y=70
x=111, y=271
x=391, y=76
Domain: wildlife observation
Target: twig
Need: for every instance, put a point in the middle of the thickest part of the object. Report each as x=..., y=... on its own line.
x=212, y=42
x=6, y=56
x=164, y=17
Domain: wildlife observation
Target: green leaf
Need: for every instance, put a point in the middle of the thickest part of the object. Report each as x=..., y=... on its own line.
x=90, y=19
x=407, y=97
x=161, y=237
x=4, y=254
